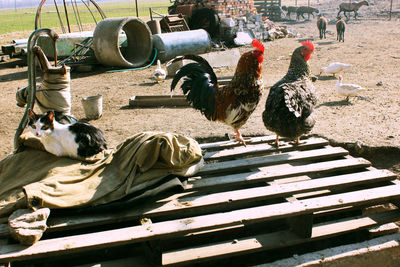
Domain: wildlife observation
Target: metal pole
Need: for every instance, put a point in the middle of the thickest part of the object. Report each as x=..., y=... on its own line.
x=66, y=15
x=137, y=11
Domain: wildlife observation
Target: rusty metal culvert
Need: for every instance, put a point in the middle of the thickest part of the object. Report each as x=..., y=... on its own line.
x=122, y=42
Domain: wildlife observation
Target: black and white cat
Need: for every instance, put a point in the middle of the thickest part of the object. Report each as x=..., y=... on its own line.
x=76, y=140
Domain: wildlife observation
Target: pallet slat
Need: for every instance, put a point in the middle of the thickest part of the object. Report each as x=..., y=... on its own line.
x=274, y=240
x=246, y=163
x=277, y=171
x=263, y=148
x=181, y=227
x=229, y=144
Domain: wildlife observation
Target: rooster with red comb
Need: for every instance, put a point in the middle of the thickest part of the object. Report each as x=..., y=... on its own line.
x=290, y=103
x=232, y=103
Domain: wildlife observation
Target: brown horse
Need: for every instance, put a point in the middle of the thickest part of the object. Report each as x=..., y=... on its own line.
x=321, y=24
x=340, y=28
x=351, y=7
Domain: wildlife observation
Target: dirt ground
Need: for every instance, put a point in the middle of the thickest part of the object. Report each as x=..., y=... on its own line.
x=371, y=120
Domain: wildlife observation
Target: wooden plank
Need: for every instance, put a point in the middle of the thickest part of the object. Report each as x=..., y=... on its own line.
x=4, y=232
x=263, y=148
x=158, y=100
x=275, y=240
x=202, y=202
x=229, y=144
x=301, y=225
x=275, y=172
x=233, y=165
x=180, y=227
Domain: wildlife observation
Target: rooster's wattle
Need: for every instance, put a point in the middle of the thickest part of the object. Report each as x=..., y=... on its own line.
x=232, y=103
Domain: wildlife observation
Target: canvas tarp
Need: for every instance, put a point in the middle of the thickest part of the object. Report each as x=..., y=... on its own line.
x=35, y=178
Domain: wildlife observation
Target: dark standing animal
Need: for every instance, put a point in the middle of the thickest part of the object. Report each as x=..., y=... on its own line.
x=274, y=11
x=290, y=103
x=321, y=24
x=351, y=7
x=340, y=28
x=301, y=10
x=290, y=10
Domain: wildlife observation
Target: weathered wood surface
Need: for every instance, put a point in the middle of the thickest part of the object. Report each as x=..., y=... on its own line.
x=238, y=186
x=274, y=240
x=277, y=171
x=184, y=202
x=253, y=149
x=180, y=227
x=158, y=101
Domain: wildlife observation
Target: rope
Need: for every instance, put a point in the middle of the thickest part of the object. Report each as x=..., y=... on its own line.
x=141, y=68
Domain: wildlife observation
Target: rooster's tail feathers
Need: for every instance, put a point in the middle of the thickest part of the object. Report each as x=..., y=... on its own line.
x=197, y=87
x=202, y=61
x=190, y=72
x=201, y=96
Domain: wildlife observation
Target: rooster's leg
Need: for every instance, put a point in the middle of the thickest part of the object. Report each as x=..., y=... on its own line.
x=277, y=141
x=238, y=137
x=297, y=142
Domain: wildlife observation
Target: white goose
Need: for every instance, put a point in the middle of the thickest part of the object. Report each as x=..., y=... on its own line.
x=334, y=68
x=347, y=90
x=159, y=73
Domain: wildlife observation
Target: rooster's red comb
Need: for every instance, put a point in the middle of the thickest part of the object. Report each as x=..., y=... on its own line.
x=258, y=45
x=309, y=44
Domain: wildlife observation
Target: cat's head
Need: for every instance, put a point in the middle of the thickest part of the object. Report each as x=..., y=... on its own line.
x=40, y=124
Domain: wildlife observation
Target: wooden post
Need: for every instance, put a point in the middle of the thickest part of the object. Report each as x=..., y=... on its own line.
x=390, y=10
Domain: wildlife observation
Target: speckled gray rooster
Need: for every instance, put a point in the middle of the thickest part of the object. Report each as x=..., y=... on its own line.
x=290, y=103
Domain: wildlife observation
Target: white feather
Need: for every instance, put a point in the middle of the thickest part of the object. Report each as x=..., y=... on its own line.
x=347, y=89
x=334, y=68
x=159, y=73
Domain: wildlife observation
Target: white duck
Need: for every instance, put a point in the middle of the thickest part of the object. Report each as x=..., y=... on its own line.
x=334, y=68
x=347, y=90
x=159, y=73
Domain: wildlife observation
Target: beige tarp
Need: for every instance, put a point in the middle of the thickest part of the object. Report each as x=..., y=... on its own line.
x=58, y=182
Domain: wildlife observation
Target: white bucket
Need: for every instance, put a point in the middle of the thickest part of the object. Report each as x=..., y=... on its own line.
x=93, y=106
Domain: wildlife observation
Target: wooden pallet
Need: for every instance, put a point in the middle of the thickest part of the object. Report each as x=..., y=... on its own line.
x=269, y=8
x=245, y=202
x=174, y=23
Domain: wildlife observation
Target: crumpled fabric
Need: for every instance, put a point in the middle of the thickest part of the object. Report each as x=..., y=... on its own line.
x=53, y=94
x=38, y=179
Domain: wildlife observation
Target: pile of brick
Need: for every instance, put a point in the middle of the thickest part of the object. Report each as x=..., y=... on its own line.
x=254, y=25
x=230, y=8
x=240, y=16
